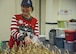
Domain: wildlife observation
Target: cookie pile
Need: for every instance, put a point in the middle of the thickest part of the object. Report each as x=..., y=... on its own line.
x=28, y=49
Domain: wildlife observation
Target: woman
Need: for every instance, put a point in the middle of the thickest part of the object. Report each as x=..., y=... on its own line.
x=23, y=24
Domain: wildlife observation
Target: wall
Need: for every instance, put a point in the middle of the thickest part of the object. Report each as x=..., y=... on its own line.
x=53, y=8
x=43, y=16
x=67, y=5
x=6, y=11
x=51, y=15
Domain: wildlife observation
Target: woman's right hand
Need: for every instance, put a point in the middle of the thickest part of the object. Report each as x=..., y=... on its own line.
x=27, y=40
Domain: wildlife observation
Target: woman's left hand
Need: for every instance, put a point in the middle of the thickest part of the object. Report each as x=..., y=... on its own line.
x=27, y=40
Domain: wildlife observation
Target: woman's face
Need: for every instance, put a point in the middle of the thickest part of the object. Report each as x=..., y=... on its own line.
x=26, y=10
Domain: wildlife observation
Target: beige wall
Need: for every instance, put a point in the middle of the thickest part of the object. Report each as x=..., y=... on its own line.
x=43, y=16
x=51, y=15
x=6, y=11
x=53, y=8
x=67, y=5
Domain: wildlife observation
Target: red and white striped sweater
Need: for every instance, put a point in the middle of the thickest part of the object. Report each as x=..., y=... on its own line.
x=17, y=20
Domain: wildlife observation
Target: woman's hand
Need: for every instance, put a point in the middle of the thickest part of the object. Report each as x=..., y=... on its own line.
x=27, y=40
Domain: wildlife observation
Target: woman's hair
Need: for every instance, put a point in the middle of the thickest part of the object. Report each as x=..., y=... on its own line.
x=32, y=8
x=27, y=3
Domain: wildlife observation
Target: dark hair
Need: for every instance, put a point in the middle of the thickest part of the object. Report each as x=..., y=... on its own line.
x=25, y=3
x=32, y=8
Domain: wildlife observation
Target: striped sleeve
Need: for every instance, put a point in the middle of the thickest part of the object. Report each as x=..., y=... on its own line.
x=14, y=28
x=36, y=31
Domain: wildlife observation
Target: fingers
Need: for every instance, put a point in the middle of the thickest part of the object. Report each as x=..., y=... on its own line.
x=28, y=40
